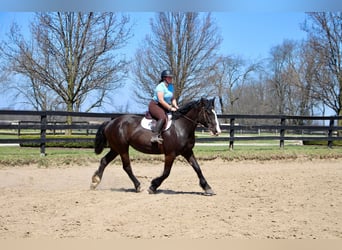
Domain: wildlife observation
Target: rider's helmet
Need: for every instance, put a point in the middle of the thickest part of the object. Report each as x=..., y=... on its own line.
x=166, y=73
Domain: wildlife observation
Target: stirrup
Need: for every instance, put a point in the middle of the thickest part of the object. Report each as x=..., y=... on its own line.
x=156, y=138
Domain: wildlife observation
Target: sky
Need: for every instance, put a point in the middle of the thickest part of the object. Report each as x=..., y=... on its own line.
x=171, y=5
x=250, y=35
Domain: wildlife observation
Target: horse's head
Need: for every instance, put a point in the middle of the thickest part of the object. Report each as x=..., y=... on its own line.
x=207, y=116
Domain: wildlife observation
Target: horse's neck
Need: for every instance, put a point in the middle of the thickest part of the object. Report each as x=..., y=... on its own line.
x=193, y=113
x=192, y=116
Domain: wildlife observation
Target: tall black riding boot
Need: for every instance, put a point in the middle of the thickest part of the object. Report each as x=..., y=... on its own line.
x=156, y=132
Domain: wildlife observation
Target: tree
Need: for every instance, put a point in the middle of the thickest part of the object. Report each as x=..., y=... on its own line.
x=289, y=81
x=229, y=75
x=184, y=43
x=70, y=60
x=324, y=31
x=305, y=80
x=253, y=97
x=281, y=65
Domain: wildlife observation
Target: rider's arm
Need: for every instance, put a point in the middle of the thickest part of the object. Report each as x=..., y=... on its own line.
x=162, y=101
x=174, y=103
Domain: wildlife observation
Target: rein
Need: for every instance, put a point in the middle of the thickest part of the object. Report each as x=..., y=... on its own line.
x=189, y=119
x=195, y=122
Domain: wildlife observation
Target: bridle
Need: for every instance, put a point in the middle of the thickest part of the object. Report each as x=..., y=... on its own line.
x=189, y=119
x=205, y=116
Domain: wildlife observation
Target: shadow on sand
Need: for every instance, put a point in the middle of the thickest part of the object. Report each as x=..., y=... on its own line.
x=159, y=191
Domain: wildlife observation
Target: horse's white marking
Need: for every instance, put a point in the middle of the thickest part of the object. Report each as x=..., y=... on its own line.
x=218, y=129
x=95, y=182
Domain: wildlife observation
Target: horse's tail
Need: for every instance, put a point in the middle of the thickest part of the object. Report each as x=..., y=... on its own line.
x=100, y=139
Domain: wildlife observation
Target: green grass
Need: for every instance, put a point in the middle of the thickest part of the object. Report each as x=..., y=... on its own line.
x=61, y=157
x=262, y=153
x=260, y=150
x=18, y=156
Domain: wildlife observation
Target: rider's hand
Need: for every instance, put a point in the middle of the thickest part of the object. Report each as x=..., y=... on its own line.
x=173, y=109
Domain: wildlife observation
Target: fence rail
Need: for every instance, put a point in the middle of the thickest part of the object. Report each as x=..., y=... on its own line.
x=279, y=127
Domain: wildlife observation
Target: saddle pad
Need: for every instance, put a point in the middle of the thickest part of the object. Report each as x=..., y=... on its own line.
x=148, y=123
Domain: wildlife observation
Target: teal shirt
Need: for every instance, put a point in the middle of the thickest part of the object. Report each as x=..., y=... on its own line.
x=168, y=92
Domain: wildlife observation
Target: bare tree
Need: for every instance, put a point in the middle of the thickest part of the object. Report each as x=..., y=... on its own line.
x=70, y=61
x=325, y=41
x=185, y=43
x=305, y=72
x=229, y=75
x=281, y=64
x=289, y=79
x=253, y=99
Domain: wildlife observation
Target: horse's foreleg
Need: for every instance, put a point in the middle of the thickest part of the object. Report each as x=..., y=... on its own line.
x=126, y=164
x=190, y=157
x=97, y=176
x=158, y=181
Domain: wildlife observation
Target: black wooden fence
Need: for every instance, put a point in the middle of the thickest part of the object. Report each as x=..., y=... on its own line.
x=234, y=127
x=312, y=128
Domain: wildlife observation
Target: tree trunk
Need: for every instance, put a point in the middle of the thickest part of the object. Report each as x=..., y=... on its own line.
x=69, y=119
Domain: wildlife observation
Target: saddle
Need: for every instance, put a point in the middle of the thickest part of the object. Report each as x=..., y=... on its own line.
x=148, y=122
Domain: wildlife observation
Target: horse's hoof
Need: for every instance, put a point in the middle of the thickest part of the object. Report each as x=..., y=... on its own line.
x=151, y=191
x=209, y=192
x=138, y=189
x=93, y=186
x=95, y=181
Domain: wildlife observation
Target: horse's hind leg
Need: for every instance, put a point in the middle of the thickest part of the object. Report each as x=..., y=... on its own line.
x=167, y=169
x=126, y=164
x=96, y=179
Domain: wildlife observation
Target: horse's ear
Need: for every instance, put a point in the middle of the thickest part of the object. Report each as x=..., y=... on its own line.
x=213, y=101
x=203, y=101
x=210, y=103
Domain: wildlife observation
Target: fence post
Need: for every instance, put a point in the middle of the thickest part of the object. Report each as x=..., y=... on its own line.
x=18, y=128
x=330, y=132
x=282, y=132
x=231, y=134
x=43, y=122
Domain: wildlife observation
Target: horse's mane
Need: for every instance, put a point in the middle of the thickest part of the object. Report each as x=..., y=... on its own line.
x=184, y=109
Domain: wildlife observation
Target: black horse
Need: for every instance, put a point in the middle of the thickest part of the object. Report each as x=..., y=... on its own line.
x=179, y=139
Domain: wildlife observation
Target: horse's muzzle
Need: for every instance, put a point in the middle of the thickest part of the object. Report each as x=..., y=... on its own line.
x=215, y=132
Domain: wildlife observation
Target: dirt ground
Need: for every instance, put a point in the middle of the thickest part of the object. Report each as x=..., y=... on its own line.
x=254, y=200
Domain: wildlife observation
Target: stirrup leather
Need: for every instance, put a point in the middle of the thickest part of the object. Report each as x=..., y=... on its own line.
x=157, y=138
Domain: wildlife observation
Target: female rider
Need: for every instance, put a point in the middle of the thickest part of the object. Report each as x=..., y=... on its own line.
x=163, y=100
